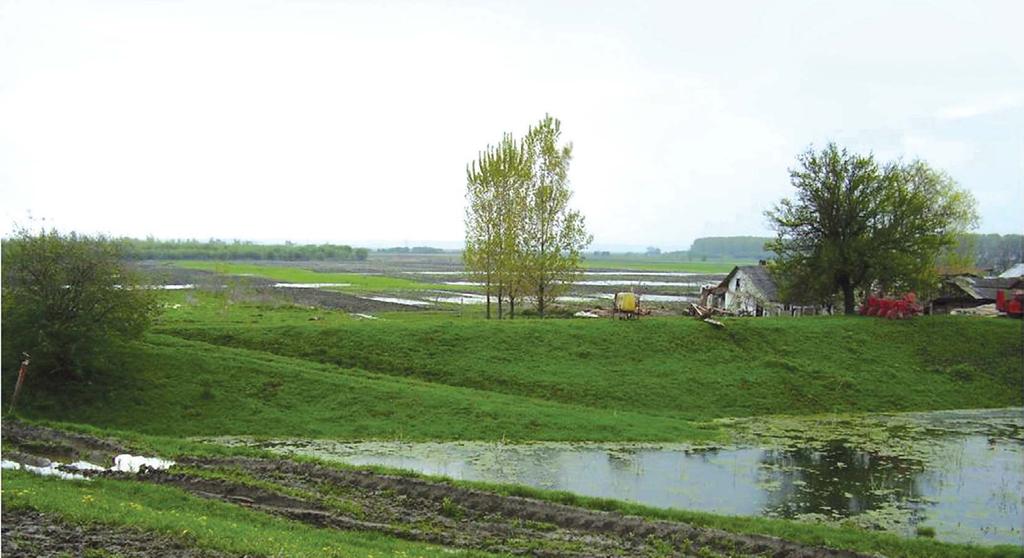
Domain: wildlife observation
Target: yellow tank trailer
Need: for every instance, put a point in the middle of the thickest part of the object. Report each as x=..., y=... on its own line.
x=627, y=305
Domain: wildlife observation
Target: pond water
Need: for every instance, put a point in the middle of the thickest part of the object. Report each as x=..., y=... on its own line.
x=961, y=473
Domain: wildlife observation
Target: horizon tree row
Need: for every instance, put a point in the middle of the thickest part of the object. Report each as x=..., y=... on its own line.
x=523, y=241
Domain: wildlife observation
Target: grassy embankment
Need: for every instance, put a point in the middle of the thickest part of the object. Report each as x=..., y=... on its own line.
x=671, y=368
x=238, y=369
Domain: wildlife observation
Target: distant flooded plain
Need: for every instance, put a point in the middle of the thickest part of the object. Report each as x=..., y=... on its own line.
x=960, y=473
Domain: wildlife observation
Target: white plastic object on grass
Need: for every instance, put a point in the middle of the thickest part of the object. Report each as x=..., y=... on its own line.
x=126, y=463
x=86, y=466
x=8, y=464
x=52, y=471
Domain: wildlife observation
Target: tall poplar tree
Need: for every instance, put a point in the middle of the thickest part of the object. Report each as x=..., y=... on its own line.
x=522, y=239
x=555, y=235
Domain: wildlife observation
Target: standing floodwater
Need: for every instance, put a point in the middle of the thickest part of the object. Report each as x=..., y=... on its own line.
x=960, y=473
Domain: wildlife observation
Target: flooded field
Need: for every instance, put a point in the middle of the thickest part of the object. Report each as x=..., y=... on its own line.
x=960, y=473
x=625, y=282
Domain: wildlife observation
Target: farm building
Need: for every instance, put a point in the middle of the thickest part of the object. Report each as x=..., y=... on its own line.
x=751, y=290
x=966, y=291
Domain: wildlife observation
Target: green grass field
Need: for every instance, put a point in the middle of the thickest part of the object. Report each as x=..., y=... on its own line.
x=177, y=387
x=213, y=366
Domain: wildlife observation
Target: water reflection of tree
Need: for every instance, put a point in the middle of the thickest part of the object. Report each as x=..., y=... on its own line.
x=836, y=481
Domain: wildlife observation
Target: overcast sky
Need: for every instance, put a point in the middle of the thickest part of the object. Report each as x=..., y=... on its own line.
x=353, y=121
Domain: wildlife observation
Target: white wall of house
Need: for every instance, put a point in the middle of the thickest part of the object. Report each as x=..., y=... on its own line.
x=742, y=295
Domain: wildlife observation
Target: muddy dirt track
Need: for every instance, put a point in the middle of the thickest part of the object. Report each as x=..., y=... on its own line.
x=421, y=510
x=30, y=533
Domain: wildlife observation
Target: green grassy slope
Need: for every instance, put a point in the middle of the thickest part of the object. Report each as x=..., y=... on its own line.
x=175, y=387
x=675, y=367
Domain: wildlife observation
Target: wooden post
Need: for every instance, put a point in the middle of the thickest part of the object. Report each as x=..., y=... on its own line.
x=22, y=372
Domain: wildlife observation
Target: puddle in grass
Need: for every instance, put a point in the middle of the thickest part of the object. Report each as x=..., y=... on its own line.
x=958, y=472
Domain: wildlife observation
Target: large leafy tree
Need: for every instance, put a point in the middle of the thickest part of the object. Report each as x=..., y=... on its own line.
x=67, y=298
x=855, y=225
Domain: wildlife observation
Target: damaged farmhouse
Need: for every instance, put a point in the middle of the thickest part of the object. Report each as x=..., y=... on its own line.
x=750, y=290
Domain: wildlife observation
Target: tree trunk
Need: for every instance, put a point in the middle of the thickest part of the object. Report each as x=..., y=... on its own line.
x=488, y=290
x=511, y=307
x=849, y=303
x=540, y=299
x=501, y=309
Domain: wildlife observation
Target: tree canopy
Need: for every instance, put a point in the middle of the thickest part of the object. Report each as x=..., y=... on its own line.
x=67, y=298
x=855, y=225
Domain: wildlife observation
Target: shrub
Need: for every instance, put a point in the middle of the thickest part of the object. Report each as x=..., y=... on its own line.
x=67, y=299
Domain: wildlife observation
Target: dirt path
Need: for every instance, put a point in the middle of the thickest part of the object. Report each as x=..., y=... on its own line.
x=421, y=510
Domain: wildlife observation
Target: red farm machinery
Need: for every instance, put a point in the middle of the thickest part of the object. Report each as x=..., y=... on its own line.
x=1010, y=302
x=900, y=308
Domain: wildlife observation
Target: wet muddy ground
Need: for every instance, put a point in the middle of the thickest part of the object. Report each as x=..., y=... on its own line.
x=258, y=290
x=30, y=533
x=410, y=508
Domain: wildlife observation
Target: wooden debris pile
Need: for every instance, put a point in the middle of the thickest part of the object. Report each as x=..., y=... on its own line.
x=706, y=314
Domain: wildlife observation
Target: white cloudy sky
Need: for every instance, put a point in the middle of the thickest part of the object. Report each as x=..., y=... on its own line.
x=353, y=121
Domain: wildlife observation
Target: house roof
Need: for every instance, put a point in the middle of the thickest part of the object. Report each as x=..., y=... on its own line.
x=984, y=288
x=1013, y=272
x=759, y=276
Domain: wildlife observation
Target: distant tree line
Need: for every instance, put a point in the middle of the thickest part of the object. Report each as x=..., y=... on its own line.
x=522, y=238
x=413, y=250
x=730, y=247
x=995, y=252
x=153, y=249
